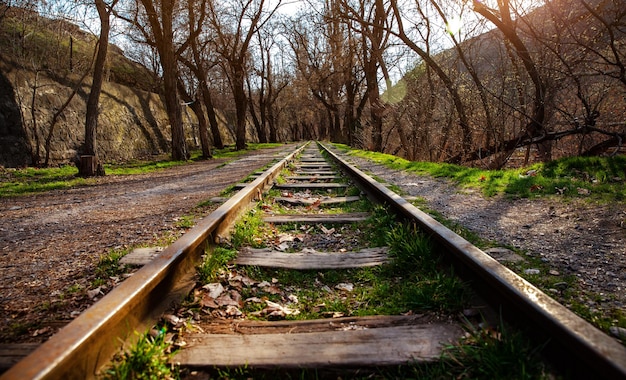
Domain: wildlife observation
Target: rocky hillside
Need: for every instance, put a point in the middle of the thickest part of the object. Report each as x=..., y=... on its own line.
x=38, y=74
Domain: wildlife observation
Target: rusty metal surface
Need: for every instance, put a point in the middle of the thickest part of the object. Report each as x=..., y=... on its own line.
x=82, y=347
x=588, y=346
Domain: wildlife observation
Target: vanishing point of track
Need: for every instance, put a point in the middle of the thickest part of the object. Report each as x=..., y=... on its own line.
x=88, y=343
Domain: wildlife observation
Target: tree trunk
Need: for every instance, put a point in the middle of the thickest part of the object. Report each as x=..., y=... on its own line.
x=161, y=24
x=91, y=118
x=240, y=105
x=208, y=104
x=258, y=125
x=196, y=107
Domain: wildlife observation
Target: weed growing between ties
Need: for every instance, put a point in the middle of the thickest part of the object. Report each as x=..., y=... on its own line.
x=146, y=359
x=109, y=266
x=214, y=263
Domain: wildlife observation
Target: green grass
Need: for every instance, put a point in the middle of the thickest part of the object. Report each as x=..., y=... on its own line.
x=147, y=359
x=213, y=263
x=34, y=180
x=14, y=182
x=247, y=231
x=599, y=179
x=415, y=280
x=489, y=354
x=109, y=266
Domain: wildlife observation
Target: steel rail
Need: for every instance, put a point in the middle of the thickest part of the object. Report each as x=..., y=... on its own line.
x=81, y=348
x=583, y=346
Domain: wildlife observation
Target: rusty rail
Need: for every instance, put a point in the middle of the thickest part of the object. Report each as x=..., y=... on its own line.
x=578, y=343
x=82, y=347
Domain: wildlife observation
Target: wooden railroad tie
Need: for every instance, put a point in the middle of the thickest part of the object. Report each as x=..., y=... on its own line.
x=312, y=259
x=321, y=343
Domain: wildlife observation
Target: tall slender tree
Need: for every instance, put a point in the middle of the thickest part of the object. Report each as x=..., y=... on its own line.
x=235, y=25
x=89, y=165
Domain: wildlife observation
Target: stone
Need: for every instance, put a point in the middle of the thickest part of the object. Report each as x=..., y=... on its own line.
x=618, y=332
x=504, y=254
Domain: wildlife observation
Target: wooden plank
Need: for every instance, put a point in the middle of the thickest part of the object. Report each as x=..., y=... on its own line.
x=314, y=161
x=311, y=259
x=343, y=348
x=309, y=173
x=11, y=353
x=314, y=166
x=313, y=185
x=312, y=177
x=229, y=326
x=310, y=201
x=349, y=217
x=141, y=256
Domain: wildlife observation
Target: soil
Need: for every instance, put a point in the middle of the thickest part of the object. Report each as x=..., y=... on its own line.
x=50, y=243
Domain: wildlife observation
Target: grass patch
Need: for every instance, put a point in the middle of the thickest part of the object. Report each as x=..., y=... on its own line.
x=213, y=263
x=33, y=180
x=185, y=222
x=489, y=354
x=14, y=182
x=147, y=359
x=600, y=179
x=247, y=231
x=109, y=266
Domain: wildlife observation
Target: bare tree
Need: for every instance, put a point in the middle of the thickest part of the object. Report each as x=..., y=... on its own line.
x=459, y=106
x=89, y=165
x=157, y=23
x=234, y=26
x=502, y=19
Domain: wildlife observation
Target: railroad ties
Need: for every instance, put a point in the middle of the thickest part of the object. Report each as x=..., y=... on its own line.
x=343, y=342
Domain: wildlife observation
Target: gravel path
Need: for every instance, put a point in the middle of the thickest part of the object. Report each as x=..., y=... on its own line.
x=50, y=243
x=575, y=237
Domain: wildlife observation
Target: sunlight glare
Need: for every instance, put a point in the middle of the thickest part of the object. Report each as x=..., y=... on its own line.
x=454, y=25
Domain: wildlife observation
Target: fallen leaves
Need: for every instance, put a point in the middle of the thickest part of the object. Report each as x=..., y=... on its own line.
x=275, y=310
x=224, y=299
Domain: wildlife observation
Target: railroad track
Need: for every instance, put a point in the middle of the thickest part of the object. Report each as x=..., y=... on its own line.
x=84, y=346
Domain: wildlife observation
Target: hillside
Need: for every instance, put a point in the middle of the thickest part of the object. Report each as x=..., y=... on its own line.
x=37, y=68
x=577, y=59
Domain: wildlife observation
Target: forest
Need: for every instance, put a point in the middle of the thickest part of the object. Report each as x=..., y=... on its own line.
x=490, y=84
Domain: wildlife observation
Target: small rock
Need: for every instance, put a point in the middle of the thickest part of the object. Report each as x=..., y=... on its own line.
x=554, y=272
x=531, y=271
x=561, y=285
x=470, y=313
x=618, y=332
x=348, y=287
x=172, y=319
